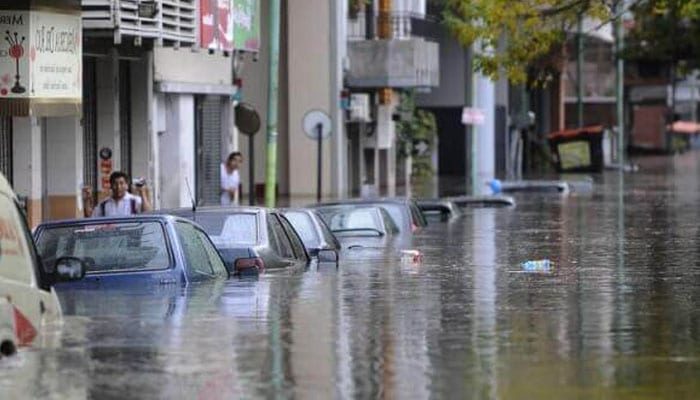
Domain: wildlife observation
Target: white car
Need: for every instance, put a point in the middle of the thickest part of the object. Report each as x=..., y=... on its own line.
x=27, y=304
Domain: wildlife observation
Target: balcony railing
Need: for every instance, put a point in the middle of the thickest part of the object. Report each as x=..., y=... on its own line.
x=167, y=22
x=397, y=25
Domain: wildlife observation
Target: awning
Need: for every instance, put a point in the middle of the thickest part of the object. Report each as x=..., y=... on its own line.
x=686, y=127
x=569, y=133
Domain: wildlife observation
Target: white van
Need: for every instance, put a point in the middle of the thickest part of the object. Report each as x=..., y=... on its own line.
x=25, y=307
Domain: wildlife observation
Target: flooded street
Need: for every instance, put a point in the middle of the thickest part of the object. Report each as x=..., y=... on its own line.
x=616, y=317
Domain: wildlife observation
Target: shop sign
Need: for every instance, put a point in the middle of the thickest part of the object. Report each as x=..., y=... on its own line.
x=40, y=55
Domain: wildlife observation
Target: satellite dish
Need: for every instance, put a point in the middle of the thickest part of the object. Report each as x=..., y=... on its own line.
x=247, y=119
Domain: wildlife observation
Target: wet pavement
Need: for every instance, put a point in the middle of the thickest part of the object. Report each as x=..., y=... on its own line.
x=616, y=317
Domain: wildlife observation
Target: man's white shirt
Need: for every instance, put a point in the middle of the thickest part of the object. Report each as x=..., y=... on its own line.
x=228, y=182
x=121, y=208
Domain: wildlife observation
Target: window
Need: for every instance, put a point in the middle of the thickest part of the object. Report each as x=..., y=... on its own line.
x=200, y=256
x=230, y=230
x=327, y=234
x=389, y=222
x=283, y=247
x=304, y=226
x=16, y=258
x=112, y=247
x=297, y=245
x=396, y=212
x=361, y=218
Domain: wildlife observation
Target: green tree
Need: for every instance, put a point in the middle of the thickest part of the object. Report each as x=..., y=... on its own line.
x=512, y=35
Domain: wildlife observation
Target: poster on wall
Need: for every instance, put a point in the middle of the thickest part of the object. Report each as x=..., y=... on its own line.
x=246, y=22
x=216, y=25
x=40, y=55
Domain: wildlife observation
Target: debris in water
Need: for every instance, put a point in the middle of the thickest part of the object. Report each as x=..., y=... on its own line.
x=538, y=267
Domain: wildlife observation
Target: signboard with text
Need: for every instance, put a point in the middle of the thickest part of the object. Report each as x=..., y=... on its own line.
x=246, y=22
x=40, y=55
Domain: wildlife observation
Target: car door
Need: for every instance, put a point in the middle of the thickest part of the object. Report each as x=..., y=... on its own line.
x=202, y=261
x=300, y=253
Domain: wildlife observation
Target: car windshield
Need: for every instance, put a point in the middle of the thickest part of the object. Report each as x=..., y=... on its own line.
x=352, y=219
x=304, y=226
x=108, y=247
x=230, y=230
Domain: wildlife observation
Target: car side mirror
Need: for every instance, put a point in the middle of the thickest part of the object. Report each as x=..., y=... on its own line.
x=69, y=269
x=327, y=255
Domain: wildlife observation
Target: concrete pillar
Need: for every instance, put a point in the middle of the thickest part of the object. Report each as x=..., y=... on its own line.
x=140, y=119
x=177, y=156
x=64, y=167
x=27, y=165
x=485, y=134
x=309, y=87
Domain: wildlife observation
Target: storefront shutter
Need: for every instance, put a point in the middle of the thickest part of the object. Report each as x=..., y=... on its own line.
x=208, y=149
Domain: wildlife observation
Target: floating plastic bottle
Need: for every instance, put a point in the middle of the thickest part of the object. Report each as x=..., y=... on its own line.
x=538, y=266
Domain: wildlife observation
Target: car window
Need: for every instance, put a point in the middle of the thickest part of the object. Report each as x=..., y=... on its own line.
x=201, y=258
x=362, y=218
x=283, y=247
x=107, y=247
x=397, y=213
x=389, y=222
x=417, y=215
x=328, y=236
x=305, y=227
x=233, y=229
x=16, y=258
x=297, y=245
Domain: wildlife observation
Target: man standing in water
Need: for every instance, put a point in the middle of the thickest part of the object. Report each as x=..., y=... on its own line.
x=231, y=179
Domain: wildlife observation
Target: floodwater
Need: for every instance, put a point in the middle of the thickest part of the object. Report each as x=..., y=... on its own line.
x=617, y=316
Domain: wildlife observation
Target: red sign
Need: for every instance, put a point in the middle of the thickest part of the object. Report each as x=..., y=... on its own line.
x=217, y=25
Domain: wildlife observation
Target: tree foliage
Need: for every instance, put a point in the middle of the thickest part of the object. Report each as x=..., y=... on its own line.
x=666, y=31
x=533, y=28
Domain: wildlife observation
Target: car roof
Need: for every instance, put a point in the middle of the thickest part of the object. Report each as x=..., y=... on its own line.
x=389, y=200
x=5, y=188
x=132, y=218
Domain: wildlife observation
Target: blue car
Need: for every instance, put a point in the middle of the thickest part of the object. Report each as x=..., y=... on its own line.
x=128, y=251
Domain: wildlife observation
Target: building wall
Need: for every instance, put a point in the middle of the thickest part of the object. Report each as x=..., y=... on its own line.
x=64, y=167
x=309, y=87
x=27, y=165
x=177, y=160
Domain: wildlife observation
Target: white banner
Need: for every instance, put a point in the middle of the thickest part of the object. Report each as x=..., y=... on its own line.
x=40, y=55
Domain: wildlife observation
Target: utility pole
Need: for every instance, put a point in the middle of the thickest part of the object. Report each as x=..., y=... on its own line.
x=579, y=71
x=620, y=82
x=272, y=104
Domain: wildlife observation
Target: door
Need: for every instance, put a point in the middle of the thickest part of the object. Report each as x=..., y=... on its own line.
x=208, y=119
x=89, y=125
x=6, y=147
x=125, y=115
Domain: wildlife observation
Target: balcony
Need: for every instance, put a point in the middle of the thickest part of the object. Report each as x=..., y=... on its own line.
x=398, y=60
x=167, y=22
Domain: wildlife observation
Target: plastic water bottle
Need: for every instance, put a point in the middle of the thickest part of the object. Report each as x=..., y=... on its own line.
x=496, y=186
x=541, y=266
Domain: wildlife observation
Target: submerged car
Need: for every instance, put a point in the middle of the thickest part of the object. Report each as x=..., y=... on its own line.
x=316, y=235
x=360, y=227
x=253, y=239
x=441, y=209
x=131, y=251
x=27, y=303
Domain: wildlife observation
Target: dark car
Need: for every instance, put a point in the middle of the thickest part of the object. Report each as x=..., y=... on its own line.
x=320, y=242
x=252, y=239
x=127, y=251
x=361, y=227
x=441, y=209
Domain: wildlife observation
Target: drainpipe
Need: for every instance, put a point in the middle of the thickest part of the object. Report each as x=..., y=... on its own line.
x=272, y=104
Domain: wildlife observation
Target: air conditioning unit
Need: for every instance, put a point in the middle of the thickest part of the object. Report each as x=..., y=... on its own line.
x=359, y=108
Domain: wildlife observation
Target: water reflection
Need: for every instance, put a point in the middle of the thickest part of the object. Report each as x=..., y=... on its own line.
x=616, y=319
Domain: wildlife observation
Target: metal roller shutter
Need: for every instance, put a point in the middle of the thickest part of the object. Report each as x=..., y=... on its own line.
x=6, y=147
x=208, y=150
x=89, y=124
